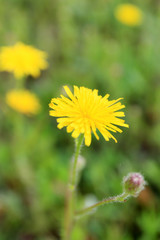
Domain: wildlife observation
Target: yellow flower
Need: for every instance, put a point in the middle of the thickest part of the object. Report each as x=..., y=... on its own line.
x=128, y=14
x=87, y=111
x=23, y=101
x=22, y=60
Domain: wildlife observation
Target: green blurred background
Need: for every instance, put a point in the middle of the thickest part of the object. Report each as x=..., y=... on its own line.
x=88, y=47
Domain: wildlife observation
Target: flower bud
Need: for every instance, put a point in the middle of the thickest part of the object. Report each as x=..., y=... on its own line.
x=133, y=184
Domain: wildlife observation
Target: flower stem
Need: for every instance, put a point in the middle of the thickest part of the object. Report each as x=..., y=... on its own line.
x=72, y=183
x=120, y=198
x=69, y=215
x=20, y=84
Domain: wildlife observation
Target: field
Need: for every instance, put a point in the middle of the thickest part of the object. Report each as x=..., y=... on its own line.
x=86, y=44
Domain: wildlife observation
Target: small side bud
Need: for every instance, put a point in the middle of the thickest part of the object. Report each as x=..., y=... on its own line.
x=133, y=184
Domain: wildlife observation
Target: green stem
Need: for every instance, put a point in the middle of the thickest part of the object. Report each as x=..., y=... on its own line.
x=119, y=198
x=72, y=183
x=69, y=215
x=20, y=83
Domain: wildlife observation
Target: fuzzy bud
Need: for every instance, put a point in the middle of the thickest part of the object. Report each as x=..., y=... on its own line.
x=133, y=184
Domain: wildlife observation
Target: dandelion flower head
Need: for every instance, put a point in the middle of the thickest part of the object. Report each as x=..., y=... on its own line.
x=85, y=112
x=128, y=14
x=22, y=60
x=23, y=101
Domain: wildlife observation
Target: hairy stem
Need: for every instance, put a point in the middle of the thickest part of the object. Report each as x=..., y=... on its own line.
x=119, y=198
x=69, y=215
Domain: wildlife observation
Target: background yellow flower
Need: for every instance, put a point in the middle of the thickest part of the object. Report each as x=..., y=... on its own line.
x=23, y=101
x=22, y=60
x=128, y=14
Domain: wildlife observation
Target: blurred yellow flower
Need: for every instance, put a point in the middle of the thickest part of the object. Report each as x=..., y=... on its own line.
x=23, y=101
x=128, y=14
x=87, y=111
x=22, y=60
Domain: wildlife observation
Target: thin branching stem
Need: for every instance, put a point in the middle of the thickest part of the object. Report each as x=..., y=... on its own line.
x=120, y=198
